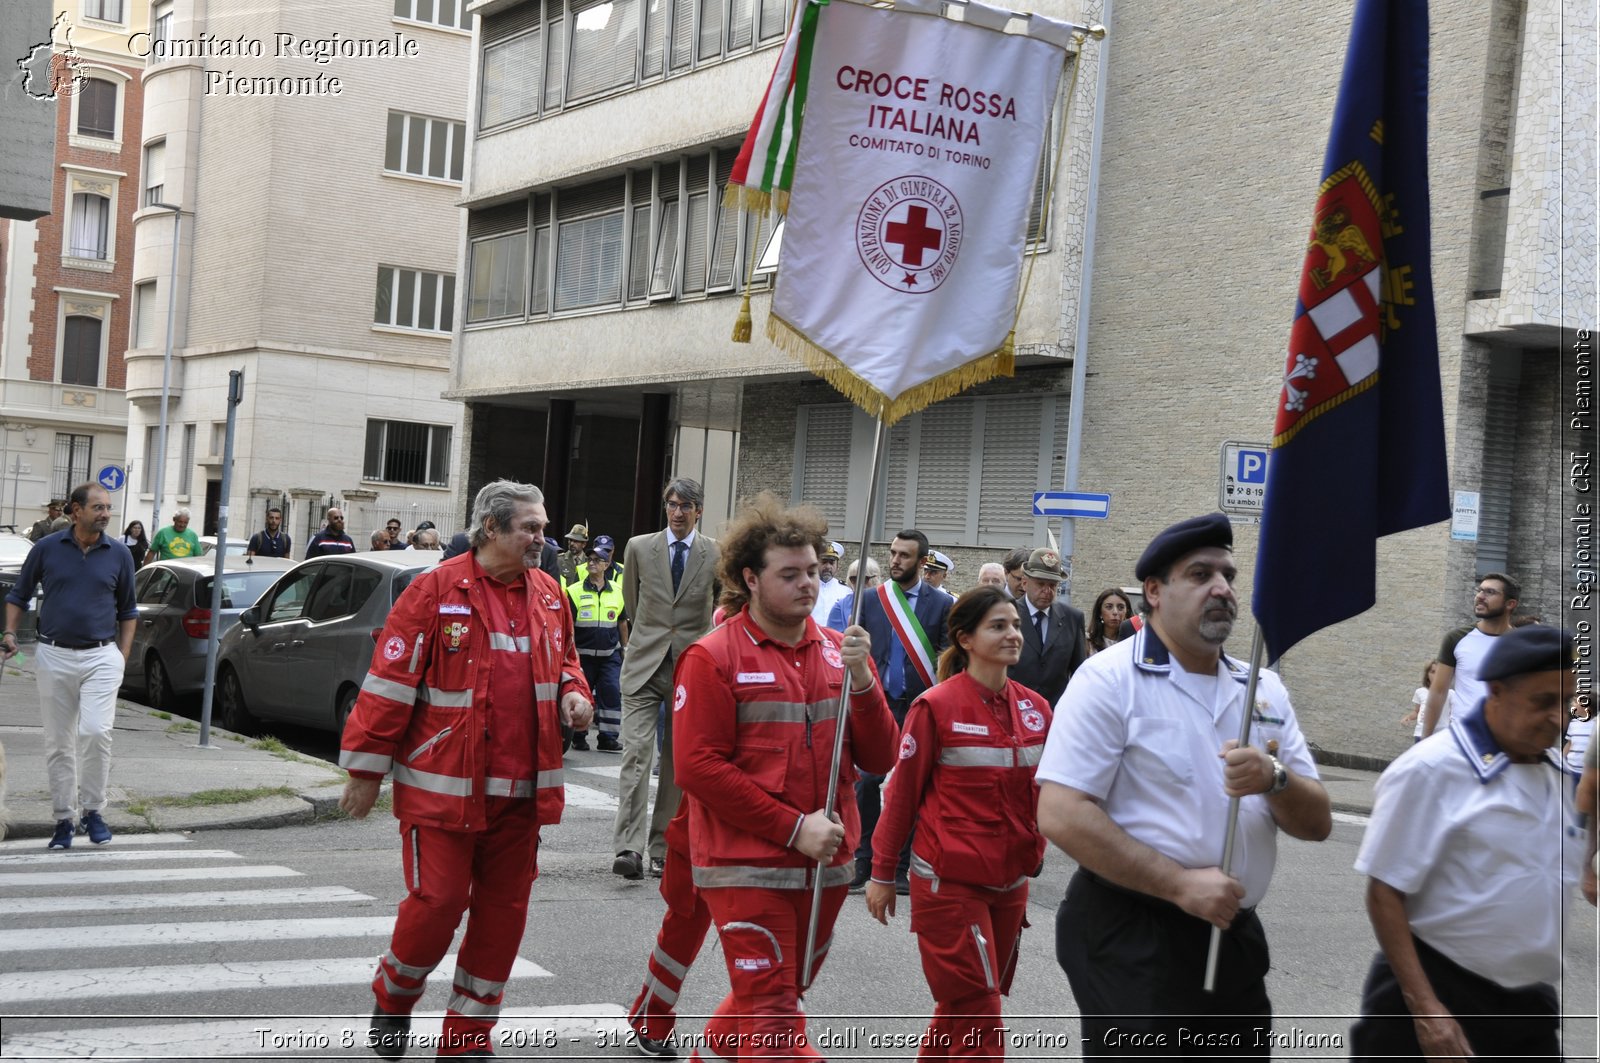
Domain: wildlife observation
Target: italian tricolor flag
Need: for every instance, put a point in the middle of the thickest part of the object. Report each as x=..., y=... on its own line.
x=764, y=169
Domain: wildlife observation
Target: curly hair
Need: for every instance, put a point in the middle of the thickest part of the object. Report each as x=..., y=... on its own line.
x=762, y=523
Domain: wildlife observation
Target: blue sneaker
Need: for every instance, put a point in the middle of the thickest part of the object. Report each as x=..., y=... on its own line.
x=63, y=836
x=95, y=828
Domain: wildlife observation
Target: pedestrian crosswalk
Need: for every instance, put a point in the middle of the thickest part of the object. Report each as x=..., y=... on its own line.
x=594, y=786
x=173, y=989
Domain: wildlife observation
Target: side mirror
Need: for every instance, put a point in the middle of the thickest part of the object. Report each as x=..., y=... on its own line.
x=251, y=620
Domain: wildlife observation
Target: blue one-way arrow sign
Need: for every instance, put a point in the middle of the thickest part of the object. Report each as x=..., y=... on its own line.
x=1071, y=504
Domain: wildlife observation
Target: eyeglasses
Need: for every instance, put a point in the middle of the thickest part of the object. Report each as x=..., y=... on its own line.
x=680, y=507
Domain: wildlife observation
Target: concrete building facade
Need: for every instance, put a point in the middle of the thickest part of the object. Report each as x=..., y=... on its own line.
x=65, y=277
x=593, y=351
x=315, y=154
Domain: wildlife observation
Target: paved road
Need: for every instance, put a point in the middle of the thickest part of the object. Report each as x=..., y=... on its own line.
x=259, y=945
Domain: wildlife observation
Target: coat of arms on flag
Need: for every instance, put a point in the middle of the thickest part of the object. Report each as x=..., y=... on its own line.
x=904, y=146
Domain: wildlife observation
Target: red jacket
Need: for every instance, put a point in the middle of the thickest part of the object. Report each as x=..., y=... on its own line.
x=965, y=777
x=753, y=730
x=423, y=714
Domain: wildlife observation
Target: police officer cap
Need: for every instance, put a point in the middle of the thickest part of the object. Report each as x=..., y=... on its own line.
x=832, y=550
x=936, y=561
x=1534, y=648
x=1183, y=537
x=604, y=546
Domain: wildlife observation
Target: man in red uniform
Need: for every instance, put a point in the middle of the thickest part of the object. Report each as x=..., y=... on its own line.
x=461, y=704
x=756, y=702
x=654, y=1015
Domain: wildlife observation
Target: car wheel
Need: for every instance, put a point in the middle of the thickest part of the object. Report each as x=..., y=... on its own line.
x=156, y=689
x=347, y=701
x=234, y=715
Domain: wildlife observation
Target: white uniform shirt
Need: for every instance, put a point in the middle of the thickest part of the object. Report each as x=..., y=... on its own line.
x=1486, y=851
x=828, y=594
x=1142, y=736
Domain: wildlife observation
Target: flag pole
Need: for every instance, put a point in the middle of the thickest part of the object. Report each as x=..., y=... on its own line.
x=878, y=448
x=1258, y=646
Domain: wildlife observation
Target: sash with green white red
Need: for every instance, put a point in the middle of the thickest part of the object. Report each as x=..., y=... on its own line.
x=908, y=629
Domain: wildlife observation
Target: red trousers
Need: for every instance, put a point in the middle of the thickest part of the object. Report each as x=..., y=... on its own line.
x=683, y=931
x=763, y=935
x=969, y=939
x=491, y=871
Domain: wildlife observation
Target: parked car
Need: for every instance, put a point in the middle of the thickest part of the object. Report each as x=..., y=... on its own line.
x=13, y=552
x=208, y=545
x=175, y=602
x=300, y=653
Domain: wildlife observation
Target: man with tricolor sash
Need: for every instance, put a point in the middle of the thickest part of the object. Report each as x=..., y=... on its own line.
x=906, y=619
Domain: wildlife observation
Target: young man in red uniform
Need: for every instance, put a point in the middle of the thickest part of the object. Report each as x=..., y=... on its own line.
x=472, y=677
x=654, y=1014
x=756, y=702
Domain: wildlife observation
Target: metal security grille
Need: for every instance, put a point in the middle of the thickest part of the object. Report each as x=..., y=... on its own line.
x=407, y=453
x=73, y=455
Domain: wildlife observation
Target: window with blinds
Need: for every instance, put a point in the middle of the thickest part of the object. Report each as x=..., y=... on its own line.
x=497, y=267
x=80, y=351
x=155, y=171
x=97, y=109
x=822, y=479
x=604, y=48
x=963, y=471
x=146, y=316
x=512, y=79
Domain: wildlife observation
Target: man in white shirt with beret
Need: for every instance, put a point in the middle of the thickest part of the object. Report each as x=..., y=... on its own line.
x=1135, y=781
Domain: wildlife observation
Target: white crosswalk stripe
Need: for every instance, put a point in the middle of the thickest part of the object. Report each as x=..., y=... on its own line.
x=122, y=841
x=324, y=958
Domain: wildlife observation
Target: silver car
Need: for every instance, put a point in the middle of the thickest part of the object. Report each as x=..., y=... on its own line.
x=300, y=654
x=175, y=601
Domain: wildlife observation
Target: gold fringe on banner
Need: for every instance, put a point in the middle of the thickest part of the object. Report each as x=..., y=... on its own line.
x=756, y=200
x=787, y=338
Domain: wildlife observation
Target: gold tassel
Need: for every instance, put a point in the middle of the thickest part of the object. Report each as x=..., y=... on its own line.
x=742, y=324
x=1008, y=351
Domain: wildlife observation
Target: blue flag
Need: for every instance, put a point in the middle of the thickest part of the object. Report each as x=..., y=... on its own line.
x=1358, y=445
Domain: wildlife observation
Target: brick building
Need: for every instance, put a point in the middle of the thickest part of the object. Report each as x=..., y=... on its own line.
x=64, y=315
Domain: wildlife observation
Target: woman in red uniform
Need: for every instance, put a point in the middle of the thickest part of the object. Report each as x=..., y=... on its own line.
x=965, y=779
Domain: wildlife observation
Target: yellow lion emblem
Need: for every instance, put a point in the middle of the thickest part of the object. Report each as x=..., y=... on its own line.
x=1344, y=244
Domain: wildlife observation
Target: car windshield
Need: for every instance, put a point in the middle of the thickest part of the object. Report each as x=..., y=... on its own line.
x=239, y=589
x=13, y=551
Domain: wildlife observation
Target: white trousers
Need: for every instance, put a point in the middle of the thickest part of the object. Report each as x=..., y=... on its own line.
x=78, y=702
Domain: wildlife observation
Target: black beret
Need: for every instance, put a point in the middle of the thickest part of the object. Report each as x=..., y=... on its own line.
x=1533, y=648
x=1183, y=537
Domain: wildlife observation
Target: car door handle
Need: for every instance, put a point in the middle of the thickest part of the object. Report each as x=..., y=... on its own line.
x=276, y=646
x=296, y=643
x=148, y=623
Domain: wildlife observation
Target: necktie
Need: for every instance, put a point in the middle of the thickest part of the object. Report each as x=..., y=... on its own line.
x=1038, y=625
x=679, y=549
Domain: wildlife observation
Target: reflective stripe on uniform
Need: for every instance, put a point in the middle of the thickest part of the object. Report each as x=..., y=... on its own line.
x=545, y=780
x=922, y=869
x=427, y=780
x=1028, y=756
x=777, y=950
x=772, y=878
x=546, y=691
x=351, y=760
x=405, y=970
x=396, y=990
x=461, y=1004
x=499, y=640
x=669, y=964
x=447, y=699
x=977, y=756
x=478, y=987
x=508, y=787
x=596, y=653
x=389, y=688
x=983, y=954
x=653, y=987
x=787, y=711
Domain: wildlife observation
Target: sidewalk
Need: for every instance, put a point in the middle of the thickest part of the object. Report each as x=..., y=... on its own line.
x=161, y=780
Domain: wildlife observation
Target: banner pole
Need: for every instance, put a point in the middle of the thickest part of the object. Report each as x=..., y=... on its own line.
x=1258, y=646
x=878, y=447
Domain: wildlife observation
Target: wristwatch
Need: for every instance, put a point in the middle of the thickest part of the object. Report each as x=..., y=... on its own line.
x=1280, y=777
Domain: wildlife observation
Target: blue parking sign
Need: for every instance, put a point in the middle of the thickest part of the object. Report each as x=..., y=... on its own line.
x=1252, y=466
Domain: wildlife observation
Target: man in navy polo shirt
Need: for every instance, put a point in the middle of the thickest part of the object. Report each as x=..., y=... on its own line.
x=84, y=640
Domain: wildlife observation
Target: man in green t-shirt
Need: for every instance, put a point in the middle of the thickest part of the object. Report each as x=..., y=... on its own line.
x=176, y=540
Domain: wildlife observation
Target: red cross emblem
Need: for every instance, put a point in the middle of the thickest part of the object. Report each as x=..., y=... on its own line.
x=914, y=235
x=909, y=232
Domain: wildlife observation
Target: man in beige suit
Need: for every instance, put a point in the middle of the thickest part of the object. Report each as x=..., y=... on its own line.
x=669, y=589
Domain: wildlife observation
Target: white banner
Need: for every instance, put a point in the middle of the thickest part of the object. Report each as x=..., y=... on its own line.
x=907, y=219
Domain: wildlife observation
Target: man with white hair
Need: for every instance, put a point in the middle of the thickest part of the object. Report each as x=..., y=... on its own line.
x=479, y=646
x=176, y=539
x=839, y=616
x=993, y=574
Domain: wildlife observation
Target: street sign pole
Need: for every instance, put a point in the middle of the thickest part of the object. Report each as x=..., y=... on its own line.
x=235, y=396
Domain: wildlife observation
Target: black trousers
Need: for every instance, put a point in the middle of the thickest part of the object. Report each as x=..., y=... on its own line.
x=1499, y=1023
x=869, y=798
x=1137, y=968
